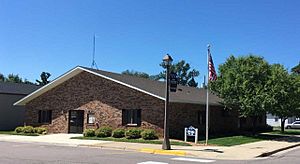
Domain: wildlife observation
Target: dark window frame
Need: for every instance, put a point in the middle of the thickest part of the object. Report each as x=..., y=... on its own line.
x=131, y=117
x=45, y=116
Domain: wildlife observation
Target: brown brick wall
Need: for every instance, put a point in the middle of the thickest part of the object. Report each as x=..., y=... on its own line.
x=101, y=96
x=185, y=115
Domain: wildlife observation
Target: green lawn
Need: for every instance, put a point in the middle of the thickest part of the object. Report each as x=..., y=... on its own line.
x=7, y=132
x=238, y=139
x=14, y=133
x=232, y=140
x=276, y=130
x=132, y=140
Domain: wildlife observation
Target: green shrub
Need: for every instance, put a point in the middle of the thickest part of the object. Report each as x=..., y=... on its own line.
x=104, y=131
x=149, y=134
x=28, y=129
x=89, y=133
x=19, y=129
x=118, y=133
x=133, y=133
x=40, y=130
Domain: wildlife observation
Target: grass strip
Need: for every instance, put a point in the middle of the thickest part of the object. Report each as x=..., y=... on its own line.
x=239, y=139
x=14, y=133
x=277, y=130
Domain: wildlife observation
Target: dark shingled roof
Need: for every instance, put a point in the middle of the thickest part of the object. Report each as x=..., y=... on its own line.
x=17, y=88
x=184, y=94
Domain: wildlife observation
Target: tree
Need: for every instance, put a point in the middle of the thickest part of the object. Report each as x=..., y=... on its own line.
x=26, y=81
x=283, y=94
x=241, y=85
x=296, y=69
x=2, y=78
x=182, y=69
x=192, y=83
x=14, y=78
x=44, y=78
x=136, y=73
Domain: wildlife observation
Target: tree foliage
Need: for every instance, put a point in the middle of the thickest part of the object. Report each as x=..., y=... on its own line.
x=182, y=69
x=184, y=72
x=242, y=85
x=26, y=81
x=136, y=73
x=2, y=77
x=14, y=78
x=296, y=69
x=283, y=94
x=44, y=78
x=254, y=87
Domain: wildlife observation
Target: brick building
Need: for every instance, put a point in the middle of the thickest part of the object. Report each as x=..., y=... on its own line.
x=86, y=98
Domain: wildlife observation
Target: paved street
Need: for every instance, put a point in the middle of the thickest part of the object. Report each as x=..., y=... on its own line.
x=42, y=153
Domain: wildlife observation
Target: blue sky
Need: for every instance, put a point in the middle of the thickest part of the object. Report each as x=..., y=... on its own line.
x=56, y=35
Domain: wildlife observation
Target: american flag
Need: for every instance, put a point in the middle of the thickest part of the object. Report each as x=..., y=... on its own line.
x=211, y=68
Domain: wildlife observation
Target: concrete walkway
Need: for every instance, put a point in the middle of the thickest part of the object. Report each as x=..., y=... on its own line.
x=56, y=139
x=239, y=152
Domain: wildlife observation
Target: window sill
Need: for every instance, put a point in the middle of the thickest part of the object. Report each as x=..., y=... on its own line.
x=132, y=125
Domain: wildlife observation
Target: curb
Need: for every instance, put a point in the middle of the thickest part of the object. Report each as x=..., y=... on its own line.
x=276, y=151
x=110, y=147
x=163, y=152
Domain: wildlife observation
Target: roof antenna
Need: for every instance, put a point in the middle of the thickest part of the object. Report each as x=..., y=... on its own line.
x=94, y=64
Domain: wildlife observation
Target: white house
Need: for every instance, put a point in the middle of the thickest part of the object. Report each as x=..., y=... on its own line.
x=276, y=121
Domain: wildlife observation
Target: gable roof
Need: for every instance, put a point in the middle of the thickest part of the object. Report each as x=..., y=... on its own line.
x=184, y=94
x=17, y=88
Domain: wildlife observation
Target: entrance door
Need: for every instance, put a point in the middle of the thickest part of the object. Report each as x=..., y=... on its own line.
x=76, y=121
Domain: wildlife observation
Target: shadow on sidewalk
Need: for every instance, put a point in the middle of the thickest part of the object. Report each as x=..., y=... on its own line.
x=203, y=150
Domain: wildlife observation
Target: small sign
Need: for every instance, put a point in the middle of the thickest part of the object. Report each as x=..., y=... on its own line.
x=191, y=132
x=173, y=82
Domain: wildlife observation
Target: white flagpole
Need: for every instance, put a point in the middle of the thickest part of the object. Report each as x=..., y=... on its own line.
x=207, y=97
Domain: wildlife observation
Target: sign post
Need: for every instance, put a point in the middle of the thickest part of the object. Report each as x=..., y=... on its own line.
x=192, y=132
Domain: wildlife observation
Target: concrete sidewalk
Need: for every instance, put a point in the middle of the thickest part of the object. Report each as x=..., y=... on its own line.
x=239, y=152
x=55, y=139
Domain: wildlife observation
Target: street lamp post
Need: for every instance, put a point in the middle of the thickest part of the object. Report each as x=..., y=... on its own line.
x=167, y=62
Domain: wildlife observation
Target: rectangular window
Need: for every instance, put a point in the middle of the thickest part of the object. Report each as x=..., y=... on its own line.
x=201, y=117
x=45, y=116
x=91, y=118
x=225, y=113
x=260, y=119
x=131, y=117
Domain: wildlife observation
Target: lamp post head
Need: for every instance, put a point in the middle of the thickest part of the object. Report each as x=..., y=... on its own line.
x=167, y=60
x=208, y=46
